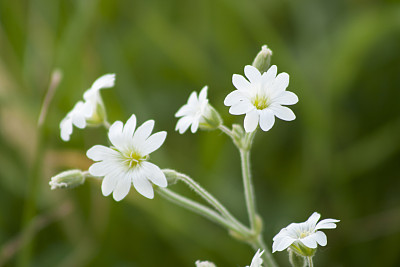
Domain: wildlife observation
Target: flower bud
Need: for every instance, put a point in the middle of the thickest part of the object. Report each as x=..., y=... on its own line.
x=263, y=59
x=211, y=119
x=67, y=179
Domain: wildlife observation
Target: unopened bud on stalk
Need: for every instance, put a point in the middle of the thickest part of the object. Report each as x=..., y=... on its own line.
x=67, y=179
x=263, y=59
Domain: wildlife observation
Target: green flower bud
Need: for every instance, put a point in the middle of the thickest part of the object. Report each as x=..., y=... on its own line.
x=67, y=179
x=263, y=59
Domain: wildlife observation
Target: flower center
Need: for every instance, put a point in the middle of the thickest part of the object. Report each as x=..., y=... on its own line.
x=302, y=235
x=260, y=102
x=133, y=159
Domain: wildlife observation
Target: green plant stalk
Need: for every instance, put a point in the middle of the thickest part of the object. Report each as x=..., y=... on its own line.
x=197, y=208
x=267, y=255
x=248, y=187
x=212, y=201
x=310, y=261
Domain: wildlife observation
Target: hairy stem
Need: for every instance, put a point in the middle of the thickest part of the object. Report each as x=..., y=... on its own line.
x=196, y=207
x=211, y=200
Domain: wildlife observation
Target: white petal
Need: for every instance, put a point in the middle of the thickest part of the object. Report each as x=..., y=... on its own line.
x=78, y=120
x=241, y=108
x=66, y=128
x=313, y=219
x=234, y=97
x=270, y=75
x=105, y=81
x=143, y=132
x=142, y=185
x=192, y=99
x=282, y=243
x=283, y=113
x=195, y=126
x=321, y=239
x=184, y=110
x=99, y=152
x=123, y=187
x=286, y=98
x=252, y=74
x=267, y=120
x=183, y=124
x=240, y=82
x=326, y=224
x=154, y=142
x=109, y=183
x=309, y=241
x=87, y=109
x=154, y=174
x=251, y=120
x=115, y=134
x=129, y=127
x=101, y=168
x=203, y=94
x=281, y=82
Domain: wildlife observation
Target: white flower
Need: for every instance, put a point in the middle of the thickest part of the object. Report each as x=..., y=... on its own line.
x=304, y=234
x=89, y=112
x=257, y=260
x=261, y=98
x=204, y=264
x=193, y=112
x=126, y=162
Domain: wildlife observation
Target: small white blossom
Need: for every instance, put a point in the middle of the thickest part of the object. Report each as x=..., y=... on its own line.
x=91, y=111
x=261, y=98
x=125, y=163
x=193, y=112
x=204, y=264
x=305, y=233
x=257, y=260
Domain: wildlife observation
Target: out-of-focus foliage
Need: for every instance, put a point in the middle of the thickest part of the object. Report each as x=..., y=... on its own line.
x=340, y=157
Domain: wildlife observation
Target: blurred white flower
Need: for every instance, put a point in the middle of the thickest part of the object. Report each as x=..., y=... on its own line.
x=303, y=234
x=193, y=112
x=91, y=111
x=257, y=260
x=261, y=98
x=204, y=264
x=126, y=162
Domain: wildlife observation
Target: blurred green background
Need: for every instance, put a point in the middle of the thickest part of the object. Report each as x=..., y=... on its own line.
x=340, y=157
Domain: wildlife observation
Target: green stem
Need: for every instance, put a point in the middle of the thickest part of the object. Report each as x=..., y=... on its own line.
x=225, y=130
x=29, y=207
x=248, y=187
x=196, y=207
x=211, y=200
x=267, y=256
x=310, y=261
